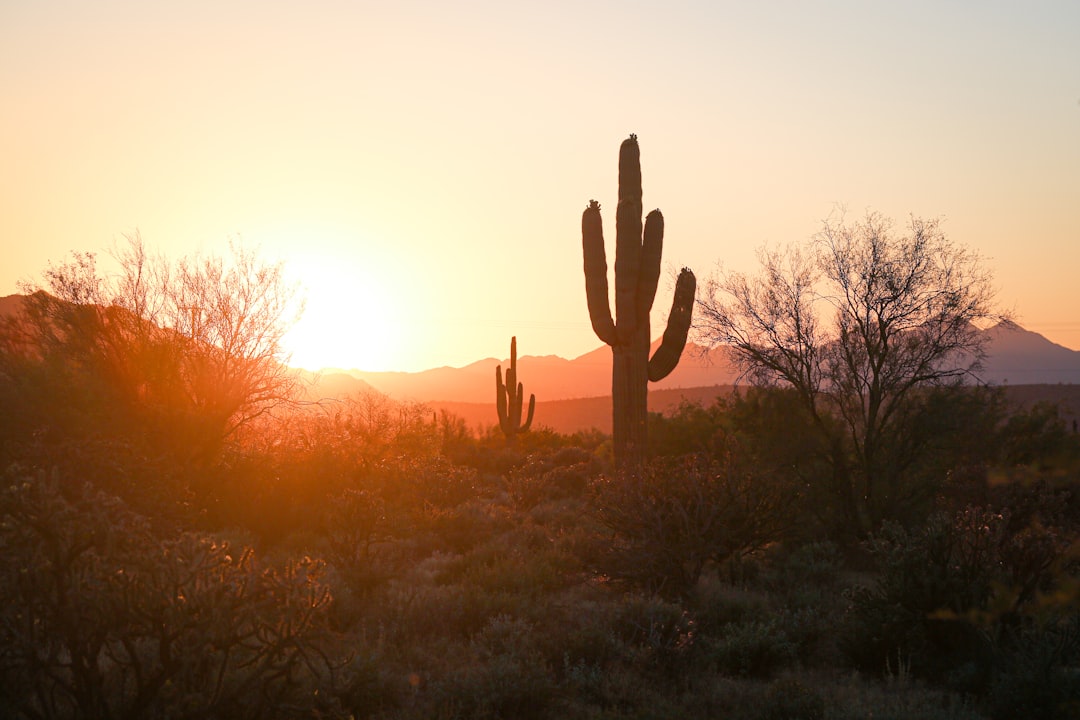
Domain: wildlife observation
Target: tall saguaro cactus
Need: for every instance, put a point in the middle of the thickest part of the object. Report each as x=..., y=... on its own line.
x=637, y=273
x=508, y=399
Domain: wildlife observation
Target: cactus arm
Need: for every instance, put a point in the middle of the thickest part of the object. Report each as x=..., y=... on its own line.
x=532, y=407
x=652, y=248
x=667, y=355
x=517, y=406
x=596, y=283
x=628, y=239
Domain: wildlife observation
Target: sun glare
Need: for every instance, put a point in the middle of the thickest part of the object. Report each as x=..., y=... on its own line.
x=346, y=322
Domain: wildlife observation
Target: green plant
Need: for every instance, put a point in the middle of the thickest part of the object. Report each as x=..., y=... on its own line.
x=969, y=600
x=637, y=272
x=753, y=649
x=509, y=399
x=805, y=573
x=929, y=578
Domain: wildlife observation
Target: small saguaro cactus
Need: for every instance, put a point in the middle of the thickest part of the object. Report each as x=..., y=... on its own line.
x=508, y=399
x=637, y=273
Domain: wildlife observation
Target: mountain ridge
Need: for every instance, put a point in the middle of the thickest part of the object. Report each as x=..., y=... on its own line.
x=1015, y=356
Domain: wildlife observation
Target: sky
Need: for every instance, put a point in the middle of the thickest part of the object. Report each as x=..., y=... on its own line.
x=421, y=167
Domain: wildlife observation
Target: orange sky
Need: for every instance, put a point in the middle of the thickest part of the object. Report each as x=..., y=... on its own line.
x=421, y=167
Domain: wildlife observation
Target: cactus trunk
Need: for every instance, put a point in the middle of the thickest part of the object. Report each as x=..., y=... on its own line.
x=638, y=253
x=629, y=396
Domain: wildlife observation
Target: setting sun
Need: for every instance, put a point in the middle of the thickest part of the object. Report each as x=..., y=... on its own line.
x=347, y=322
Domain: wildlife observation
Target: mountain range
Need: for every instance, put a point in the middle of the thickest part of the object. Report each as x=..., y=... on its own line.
x=547, y=376
x=1015, y=357
x=575, y=394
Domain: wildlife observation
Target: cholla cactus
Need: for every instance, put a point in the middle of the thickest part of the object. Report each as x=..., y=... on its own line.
x=508, y=399
x=637, y=273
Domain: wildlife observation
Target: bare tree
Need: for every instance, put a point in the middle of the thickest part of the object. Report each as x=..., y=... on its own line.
x=194, y=347
x=857, y=324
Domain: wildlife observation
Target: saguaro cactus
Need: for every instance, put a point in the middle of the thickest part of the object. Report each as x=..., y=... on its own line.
x=637, y=273
x=508, y=399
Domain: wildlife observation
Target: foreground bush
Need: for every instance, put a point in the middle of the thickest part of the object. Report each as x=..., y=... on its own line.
x=971, y=601
x=678, y=515
x=101, y=618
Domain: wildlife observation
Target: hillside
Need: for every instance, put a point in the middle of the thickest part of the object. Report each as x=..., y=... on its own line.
x=569, y=416
x=574, y=394
x=1022, y=357
x=549, y=377
x=1015, y=357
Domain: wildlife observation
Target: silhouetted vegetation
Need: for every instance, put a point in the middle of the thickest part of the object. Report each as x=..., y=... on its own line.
x=177, y=354
x=637, y=273
x=509, y=398
x=366, y=558
x=859, y=325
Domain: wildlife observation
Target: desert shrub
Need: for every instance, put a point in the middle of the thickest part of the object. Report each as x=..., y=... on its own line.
x=489, y=455
x=758, y=648
x=282, y=473
x=432, y=603
x=676, y=516
x=808, y=575
x=148, y=482
x=939, y=433
x=658, y=634
x=789, y=698
x=459, y=529
x=554, y=476
x=503, y=567
x=715, y=605
x=355, y=430
x=103, y=618
x=502, y=686
x=498, y=673
x=435, y=482
x=960, y=599
x=815, y=563
x=1035, y=670
x=798, y=593
x=1034, y=435
x=775, y=430
x=566, y=521
x=360, y=539
x=946, y=566
x=367, y=686
x=1041, y=500
x=689, y=429
x=899, y=698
